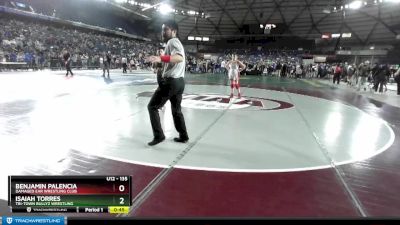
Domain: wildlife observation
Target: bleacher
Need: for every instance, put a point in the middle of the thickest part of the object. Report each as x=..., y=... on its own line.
x=13, y=66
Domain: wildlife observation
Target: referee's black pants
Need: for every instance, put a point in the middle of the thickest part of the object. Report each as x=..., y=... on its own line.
x=169, y=89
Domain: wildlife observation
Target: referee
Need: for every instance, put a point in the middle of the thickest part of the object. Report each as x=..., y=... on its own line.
x=171, y=85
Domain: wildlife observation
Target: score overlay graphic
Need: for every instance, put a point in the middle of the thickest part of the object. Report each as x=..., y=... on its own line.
x=74, y=194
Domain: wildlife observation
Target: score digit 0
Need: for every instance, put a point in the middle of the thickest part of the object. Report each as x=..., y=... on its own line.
x=121, y=188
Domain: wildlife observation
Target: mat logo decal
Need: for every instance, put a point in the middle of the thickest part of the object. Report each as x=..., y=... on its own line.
x=221, y=102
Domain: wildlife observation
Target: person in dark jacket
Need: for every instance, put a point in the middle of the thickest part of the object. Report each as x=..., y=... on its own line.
x=380, y=77
x=397, y=79
x=67, y=62
x=107, y=64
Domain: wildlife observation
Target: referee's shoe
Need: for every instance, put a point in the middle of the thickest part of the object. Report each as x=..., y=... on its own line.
x=156, y=141
x=181, y=139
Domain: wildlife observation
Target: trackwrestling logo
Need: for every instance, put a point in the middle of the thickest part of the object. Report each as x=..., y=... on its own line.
x=26, y=220
x=221, y=102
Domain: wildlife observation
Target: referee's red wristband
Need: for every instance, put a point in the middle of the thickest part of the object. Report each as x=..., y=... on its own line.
x=165, y=58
